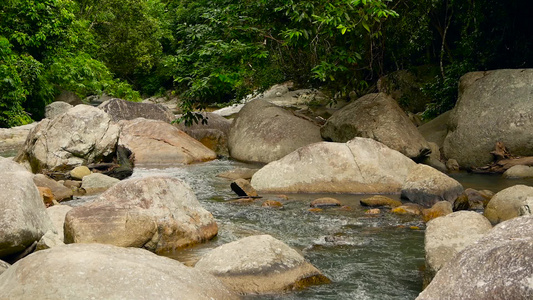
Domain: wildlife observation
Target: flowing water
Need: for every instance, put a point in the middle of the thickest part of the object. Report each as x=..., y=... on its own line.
x=366, y=257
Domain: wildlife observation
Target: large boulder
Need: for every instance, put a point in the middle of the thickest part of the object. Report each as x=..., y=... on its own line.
x=156, y=213
x=213, y=134
x=362, y=166
x=497, y=266
x=95, y=271
x=55, y=109
x=264, y=132
x=157, y=143
x=82, y=135
x=260, y=264
x=446, y=236
x=376, y=116
x=510, y=203
x=359, y=166
x=23, y=218
x=426, y=186
x=436, y=130
x=12, y=139
x=119, y=109
x=492, y=106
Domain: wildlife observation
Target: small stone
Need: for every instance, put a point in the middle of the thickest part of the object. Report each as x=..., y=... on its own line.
x=374, y=211
x=46, y=195
x=323, y=202
x=520, y=171
x=315, y=209
x=439, y=209
x=243, y=188
x=272, y=203
x=80, y=172
x=379, y=200
x=97, y=183
x=410, y=209
x=452, y=165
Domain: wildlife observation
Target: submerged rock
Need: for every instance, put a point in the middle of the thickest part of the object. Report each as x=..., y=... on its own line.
x=156, y=213
x=23, y=218
x=264, y=132
x=497, y=266
x=258, y=265
x=95, y=271
x=325, y=202
x=510, y=203
x=378, y=200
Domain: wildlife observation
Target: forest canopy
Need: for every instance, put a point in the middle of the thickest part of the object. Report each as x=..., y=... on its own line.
x=217, y=51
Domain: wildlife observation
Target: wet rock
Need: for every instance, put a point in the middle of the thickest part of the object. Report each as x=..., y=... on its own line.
x=508, y=203
x=447, y=236
x=325, y=202
x=519, y=172
x=80, y=172
x=376, y=116
x=378, y=200
x=258, y=265
x=213, y=134
x=60, y=191
x=119, y=109
x=359, y=166
x=272, y=203
x=439, y=209
x=81, y=136
x=497, y=266
x=159, y=143
x=408, y=209
x=156, y=213
x=55, y=109
x=46, y=195
x=97, y=183
x=484, y=115
x=243, y=188
x=426, y=186
x=264, y=132
x=373, y=211
x=436, y=130
x=95, y=271
x=23, y=218
x=472, y=199
x=3, y=266
x=12, y=139
x=237, y=173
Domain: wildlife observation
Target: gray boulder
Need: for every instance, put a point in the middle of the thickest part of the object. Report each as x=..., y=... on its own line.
x=376, y=116
x=436, y=130
x=426, y=186
x=510, y=203
x=518, y=172
x=55, y=109
x=260, y=264
x=213, y=135
x=359, y=166
x=95, y=271
x=156, y=213
x=82, y=135
x=23, y=218
x=97, y=183
x=448, y=235
x=158, y=143
x=492, y=106
x=119, y=109
x=264, y=132
x=497, y=266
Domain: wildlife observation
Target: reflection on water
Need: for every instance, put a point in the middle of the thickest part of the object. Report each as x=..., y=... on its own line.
x=367, y=257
